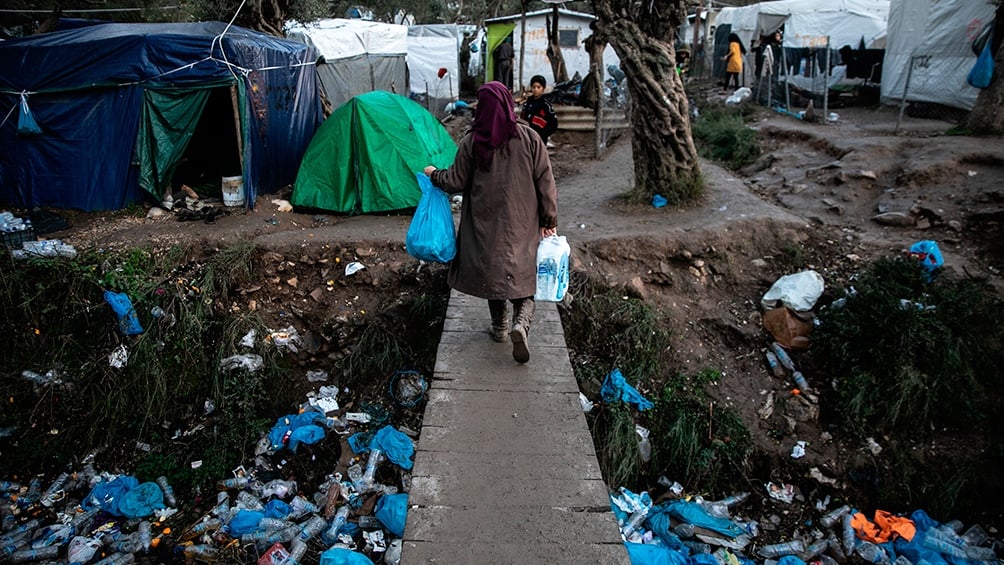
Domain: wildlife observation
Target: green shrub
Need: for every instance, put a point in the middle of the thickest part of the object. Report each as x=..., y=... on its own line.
x=930, y=362
x=721, y=135
x=699, y=444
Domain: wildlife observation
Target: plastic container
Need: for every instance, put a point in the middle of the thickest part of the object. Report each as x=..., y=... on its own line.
x=233, y=191
x=312, y=528
x=371, y=466
x=833, y=516
x=871, y=552
x=800, y=382
x=848, y=536
x=552, y=269
x=634, y=522
x=774, y=364
x=782, y=356
x=168, y=491
x=781, y=549
x=145, y=536
x=330, y=535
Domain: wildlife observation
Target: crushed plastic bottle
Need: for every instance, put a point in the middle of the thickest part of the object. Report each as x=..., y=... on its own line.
x=782, y=356
x=848, y=535
x=833, y=516
x=168, y=491
x=871, y=552
x=781, y=549
x=313, y=527
x=330, y=535
x=774, y=364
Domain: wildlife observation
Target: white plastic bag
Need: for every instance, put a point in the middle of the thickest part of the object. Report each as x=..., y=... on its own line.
x=552, y=269
x=799, y=292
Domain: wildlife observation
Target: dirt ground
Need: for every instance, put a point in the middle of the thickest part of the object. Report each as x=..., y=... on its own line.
x=828, y=195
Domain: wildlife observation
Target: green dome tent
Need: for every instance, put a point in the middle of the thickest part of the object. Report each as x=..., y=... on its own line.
x=364, y=157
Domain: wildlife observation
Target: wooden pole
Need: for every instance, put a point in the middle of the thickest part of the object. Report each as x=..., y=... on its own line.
x=522, y=42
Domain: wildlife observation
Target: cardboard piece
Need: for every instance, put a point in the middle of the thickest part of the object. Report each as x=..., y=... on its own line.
x=788, y=328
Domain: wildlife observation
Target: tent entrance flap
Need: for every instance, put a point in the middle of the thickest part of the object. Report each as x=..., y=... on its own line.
x=188, y=136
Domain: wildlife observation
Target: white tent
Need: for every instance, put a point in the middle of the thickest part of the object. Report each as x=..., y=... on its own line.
x=807, y=23
x=431, y=48
x=937, y=34
x=358, y=56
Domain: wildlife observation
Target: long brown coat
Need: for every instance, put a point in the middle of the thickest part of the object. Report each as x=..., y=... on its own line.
x=501, y=216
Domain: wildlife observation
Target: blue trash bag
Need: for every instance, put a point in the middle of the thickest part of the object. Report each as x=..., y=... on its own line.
x=929, y=255
x=276, y=508
x=142, y=501
x=431, y=235
x=292, y=430
x=120, y=303
x=616, y=388
x=392, y=511
x=26, y=124
x=341, y=556
x=396, y=446
x=652, y=554
x=790, y=560
x=658, y=201
x=983, y=71
x=244, y=522
x=693, y=513
x=106, y=495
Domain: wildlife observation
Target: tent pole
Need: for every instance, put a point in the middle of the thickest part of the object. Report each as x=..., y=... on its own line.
x=237, y=124
x=787, y=92
x=522, y=42
x=906, y=88
x=826, y=81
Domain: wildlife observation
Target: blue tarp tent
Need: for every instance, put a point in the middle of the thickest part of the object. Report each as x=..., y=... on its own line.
x=118, y=105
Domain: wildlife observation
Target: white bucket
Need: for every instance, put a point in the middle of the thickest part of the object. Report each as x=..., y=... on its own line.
x=233, y=191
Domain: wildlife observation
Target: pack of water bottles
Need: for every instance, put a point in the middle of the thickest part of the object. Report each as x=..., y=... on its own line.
x=14, y=231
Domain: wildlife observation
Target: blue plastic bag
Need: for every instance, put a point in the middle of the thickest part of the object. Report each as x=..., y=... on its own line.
x=929, y=255
x=983, y=71
x=392, y=511
x=431, y=236
x=342, y=556
x=26, y=124
x=128, y=321
x=615, y=388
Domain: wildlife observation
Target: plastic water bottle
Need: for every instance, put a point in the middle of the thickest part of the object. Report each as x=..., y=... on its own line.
x=848, y=535
x=782, y=356
x=800, y=382
x=371, y=466
x=781, y=549
x=815, y=549
x=547, y=279
x=233, y=482
x=355, y=473
x=774, y=364
x=735, y=499
x=210, y=525
x=168, y=491
x=145, y=536
x=684, y=530
x=393, y=554
x=296, y=551
x=53, y=492
x=635, y=521
x=871, y=552
x=9, y=486
x=201, y=550
x=248, y=501
x=831, y=517
x=312, y=528
x=330, y=535
x=26, y=555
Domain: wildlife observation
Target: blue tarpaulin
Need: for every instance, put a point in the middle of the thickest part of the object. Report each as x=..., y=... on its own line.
x=103, y=138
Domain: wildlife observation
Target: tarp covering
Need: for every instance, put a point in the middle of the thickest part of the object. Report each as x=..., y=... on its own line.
x=358, y=56
x=807, y=23
x=430, y=48
x=113, y=121
x=365, y=156
x=939, y=34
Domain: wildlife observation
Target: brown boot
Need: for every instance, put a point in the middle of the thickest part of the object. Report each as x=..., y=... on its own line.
x=522, y=319
x=499, y=310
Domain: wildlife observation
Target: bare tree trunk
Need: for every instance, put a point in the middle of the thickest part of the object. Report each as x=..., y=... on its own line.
x=665, y=157
x=595, y=44
x=987, y=115
x=554, y=54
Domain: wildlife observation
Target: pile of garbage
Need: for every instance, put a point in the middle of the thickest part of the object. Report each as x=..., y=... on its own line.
x=689, y=529
x=356, y=515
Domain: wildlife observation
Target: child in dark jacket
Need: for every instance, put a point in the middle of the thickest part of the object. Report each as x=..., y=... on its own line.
x=537, y=111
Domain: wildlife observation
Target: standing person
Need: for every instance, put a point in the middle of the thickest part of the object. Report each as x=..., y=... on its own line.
x=510, y=202
x=537, y=111
x=734, y=60
x=504, y=54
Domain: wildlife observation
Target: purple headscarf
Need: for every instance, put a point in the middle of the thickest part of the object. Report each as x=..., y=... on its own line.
x=494, y=121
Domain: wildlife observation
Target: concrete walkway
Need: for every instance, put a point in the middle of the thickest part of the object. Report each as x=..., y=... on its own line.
x=505, y=471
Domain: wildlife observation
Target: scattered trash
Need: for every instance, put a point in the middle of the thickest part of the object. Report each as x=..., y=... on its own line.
x=644, y=447
x=658, y=201
x=798, y=451
x=353, y=268
x=873, y=446
x=929, y=255
x=317, y=376
x=119, y=357
x=286, y=338
x=248, y=361
x=282, y=205
x=739, y=96
x=408, y=388
x=788, y=328
x=248, y=339
x=586, y=404
x=784, y=492
x=44, y=248
x=122, y=305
